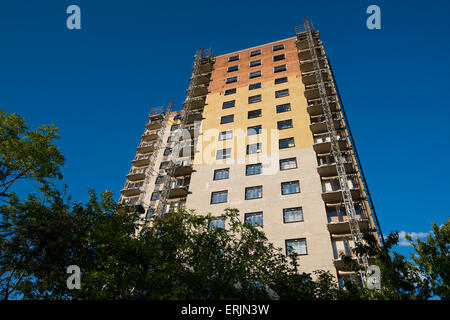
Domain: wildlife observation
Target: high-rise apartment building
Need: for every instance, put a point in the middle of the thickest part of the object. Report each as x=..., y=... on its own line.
x=262, y=130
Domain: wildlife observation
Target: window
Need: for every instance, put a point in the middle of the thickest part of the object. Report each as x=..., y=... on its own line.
x=279, y=68
x=223, y=154
x=254, y=114
x=255, y=63
x=255, y=53
x=254, y=86
x=155, y=196
x=282, y=93
x=228, y=104
x=252, y=169
x=150, y=213
x=171, y=139
x=255, y=74
x=279, y=57
x=254, y=148
x=225, y=135
x=283, y=107
x=231, y=79
x=164, y=165
x=254, y=130
x=254, y=218
x=233, y=58
x=281, y=80
x=233, y=68
x=296, y=245
x=286, y=164
x=278, y=47
x=290, y=187
x=286, y=143
x=292, y=215
x=167, y=151
x=221, y=174
x=227, y=119
x=253, y=193
x=230, y=91
x=254, y=99
x=219, y=197
x=159, y=180
x=217, y=223
x=174, y=127
x=285, y=124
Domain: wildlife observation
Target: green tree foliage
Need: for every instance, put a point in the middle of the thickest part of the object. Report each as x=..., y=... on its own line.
x=27, y=154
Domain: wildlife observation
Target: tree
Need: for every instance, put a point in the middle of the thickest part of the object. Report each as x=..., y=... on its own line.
x=27, y=154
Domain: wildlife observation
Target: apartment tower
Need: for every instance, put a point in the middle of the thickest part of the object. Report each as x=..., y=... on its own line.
x=262, y=130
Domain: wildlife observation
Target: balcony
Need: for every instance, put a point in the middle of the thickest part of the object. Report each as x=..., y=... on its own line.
x=154, y=124
x=309, y=78
x=141, y=160
x=322, y=142
x=183, y=169
x=308, y=65
x=319, y=124
x=150, y=135
x=305, y=54
x=195, y=102
x=338, y=219
x=332, y=193
x=326, y=166
x=302, y=41
x=206, y=66
x=343, y=246
x=197, y=90
x=178, y=188
x=312, y=91
x=132, y=189
x=315, y=106
x=194, y=116
x=146, y=147
x=202, y=78
x=136, y=174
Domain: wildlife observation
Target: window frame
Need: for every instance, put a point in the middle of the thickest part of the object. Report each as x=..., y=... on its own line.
x=223, y=170
x=296, y=240
x=256, y=213
x=233, y=102
x=220, y=138
x=232, y=79
x=283, y=104
x=284, y=139
x=257, y=84
x=276, y=58
x=260, y=114
x=276, y=69
x=216, y=192
x=256, y=52
x=255, y=63
x=229, y=91
x=280, y=82
x=255, y=74
x=292, y=208
x=234, y=58
x=258, y=129
x=257, y=96
x=223, y=154
x=277, y=47
x=253, y=165
x=258, y=148
x=287, y=159
x=290, y=182
x=282, y=90
x=225, y=117
x=287, y=120
x=234, y=68
x=254, y=187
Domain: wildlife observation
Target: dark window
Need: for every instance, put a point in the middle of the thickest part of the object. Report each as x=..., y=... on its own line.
x=233, y=58
x=290, y=187
x=155, y=196
x=286, y=143
x=254, y=148
x=284, y=107
x=223, y=154
x=255, y=74
x=254, y=114
x=233, y=68
x=279, y=68
x=164, y=165
x=221, y=174
x=286, y=164
x=232, y=79
x=252, y=169
x=282, y=93
x=174, y=127
x=177, y=117
x=217, y=223
x=167, y=151
x=279, y=57
x=253, y=193
x=285, y=124
x=228, y=104
x=255, y=53
x=254, y=218
x=281, y=80
x=292, y=215
x=255, y=63
x=159, y=180
x=226, y=135
x=219, y=197
x=296, y=245
x=230, y=91
x=254, y=99
x=254, y=130
x=150, y=213
x=278, y=47
x=254, y=86
x=227, y=119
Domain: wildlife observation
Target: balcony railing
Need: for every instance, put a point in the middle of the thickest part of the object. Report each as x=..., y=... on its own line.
x=327, y=165
x=150, y=135
x=315, y=106
x=141, y=159
x=319, y=125
x=136, y=174
x=322, y=142
x=338, y=218
x=331, y=189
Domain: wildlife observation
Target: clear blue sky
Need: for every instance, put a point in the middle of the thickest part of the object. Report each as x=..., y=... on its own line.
x=98, y=84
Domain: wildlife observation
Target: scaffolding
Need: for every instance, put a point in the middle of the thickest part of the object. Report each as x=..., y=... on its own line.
x=203, y=62
x=306, y=32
